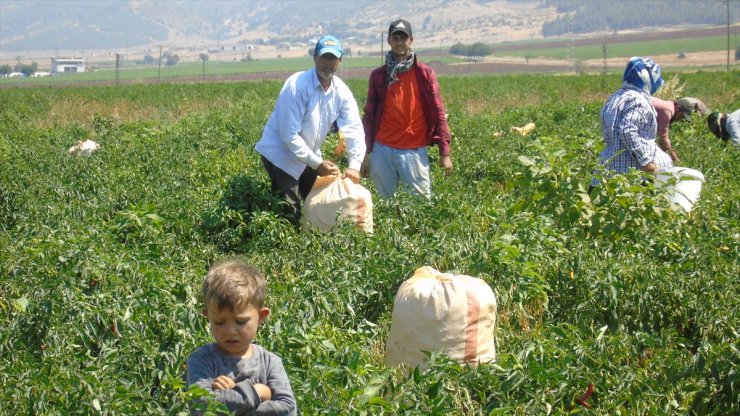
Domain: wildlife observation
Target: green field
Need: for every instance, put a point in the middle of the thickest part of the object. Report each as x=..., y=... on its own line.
x=101, y=258
x=130, y=72
x=141, y=73
x=193, y=69
x=647, y=48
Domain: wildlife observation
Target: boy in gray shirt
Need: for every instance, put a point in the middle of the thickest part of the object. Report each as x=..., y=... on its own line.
x=245, y=377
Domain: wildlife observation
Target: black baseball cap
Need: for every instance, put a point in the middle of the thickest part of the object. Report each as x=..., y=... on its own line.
x=400, y=25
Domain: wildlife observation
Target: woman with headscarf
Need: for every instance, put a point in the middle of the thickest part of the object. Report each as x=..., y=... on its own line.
x=628, y=122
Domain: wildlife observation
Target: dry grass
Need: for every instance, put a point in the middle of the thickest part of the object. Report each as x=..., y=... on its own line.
x=672, y=89
x=500, y=104
x=84, y=110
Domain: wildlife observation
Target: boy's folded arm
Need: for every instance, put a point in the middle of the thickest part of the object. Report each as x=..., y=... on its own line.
x=246, y=395
x=242, y=397
x=283, y=402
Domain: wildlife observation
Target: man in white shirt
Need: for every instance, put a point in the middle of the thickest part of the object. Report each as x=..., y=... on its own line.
x=309, y=103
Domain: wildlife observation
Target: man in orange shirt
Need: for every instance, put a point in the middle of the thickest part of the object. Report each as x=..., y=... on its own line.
x=404, y=114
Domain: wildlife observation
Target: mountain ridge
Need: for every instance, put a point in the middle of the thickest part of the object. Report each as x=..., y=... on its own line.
x=140, y=27
x=72, y=26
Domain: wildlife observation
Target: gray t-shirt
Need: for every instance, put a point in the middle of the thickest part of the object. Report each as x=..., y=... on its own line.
x=733, y=127
x=263, y=367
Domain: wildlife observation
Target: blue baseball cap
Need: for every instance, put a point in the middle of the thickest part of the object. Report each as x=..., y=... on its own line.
x=328, y=44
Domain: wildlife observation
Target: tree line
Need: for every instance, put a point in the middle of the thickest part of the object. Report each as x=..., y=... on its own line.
x=25, y=69
x=476, y=49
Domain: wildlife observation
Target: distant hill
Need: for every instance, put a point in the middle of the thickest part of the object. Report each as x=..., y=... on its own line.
x=74, y=26
x=82, y=25
x=580, y=17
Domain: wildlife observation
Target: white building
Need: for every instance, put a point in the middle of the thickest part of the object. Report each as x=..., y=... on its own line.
x=61, y=65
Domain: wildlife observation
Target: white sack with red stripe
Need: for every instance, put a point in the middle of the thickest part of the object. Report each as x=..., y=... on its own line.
x=445, y=313
x=333, y=198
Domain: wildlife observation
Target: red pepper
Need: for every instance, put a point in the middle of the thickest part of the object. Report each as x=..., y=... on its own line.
x=582, y=399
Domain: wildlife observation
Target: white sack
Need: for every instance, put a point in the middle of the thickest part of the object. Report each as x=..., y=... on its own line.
x=440, y=312
x=333, y=198
x=85, y=148
x=684, y=186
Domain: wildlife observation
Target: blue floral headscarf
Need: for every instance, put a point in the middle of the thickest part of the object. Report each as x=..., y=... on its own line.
x=644, y=74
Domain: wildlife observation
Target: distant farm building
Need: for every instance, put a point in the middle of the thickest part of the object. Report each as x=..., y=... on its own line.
x=65, y=65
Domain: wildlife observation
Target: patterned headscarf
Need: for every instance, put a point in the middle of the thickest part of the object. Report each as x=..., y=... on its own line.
x=644, y=74
x=394, y=68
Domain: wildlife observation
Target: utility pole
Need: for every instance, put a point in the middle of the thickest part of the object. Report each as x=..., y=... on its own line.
x=728, y=35
x=571, y=48
x=119, y=60
x=159, y=70
x=604, y=51
x=381, y=47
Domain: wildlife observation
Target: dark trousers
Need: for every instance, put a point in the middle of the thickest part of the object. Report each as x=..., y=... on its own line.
x=293, y=191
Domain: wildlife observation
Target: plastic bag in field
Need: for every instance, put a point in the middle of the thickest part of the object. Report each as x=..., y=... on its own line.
x=85, y=148
x=445, y=313
x=333, y=198
x=684, y=186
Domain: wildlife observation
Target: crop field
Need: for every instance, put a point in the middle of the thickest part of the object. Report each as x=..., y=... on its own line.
x=213, y=69
x=195, y=69
x=102, y=258
x=217, y=68
x=648, y=48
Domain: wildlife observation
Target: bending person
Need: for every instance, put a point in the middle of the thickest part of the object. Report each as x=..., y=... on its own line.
x=309, y=103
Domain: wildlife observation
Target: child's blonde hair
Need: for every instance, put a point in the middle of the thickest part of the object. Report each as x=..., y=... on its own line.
x=232, y=283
